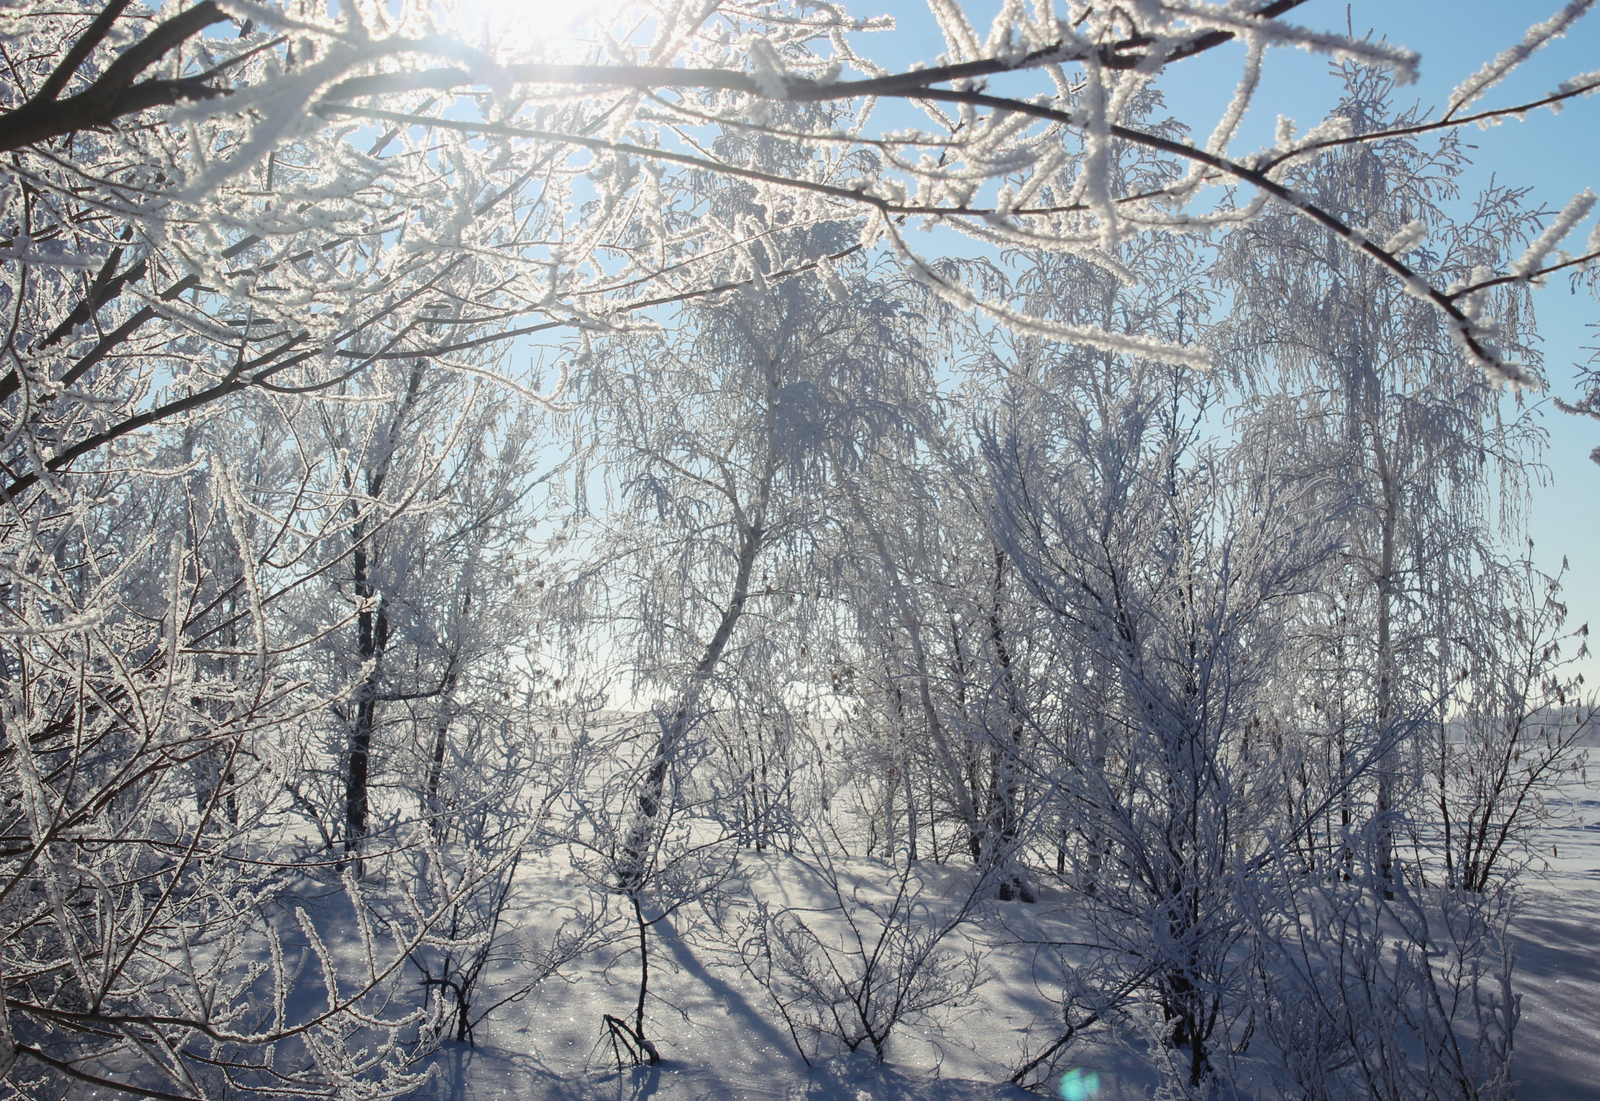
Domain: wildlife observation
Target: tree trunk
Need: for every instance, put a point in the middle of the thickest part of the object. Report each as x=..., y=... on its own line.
x=1004, y=825
x=372, y=636
x=433, y=804
x=1389, y=760
x=638, y=846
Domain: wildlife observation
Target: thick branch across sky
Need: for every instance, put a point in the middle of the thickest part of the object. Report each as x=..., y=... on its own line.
x=115, y=94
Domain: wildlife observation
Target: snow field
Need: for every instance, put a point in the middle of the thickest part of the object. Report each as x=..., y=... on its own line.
x=721, y=1038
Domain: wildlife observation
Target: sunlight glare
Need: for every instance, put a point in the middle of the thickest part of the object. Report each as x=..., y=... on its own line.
x=500, y=24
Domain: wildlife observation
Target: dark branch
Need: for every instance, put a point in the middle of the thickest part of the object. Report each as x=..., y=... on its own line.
x=81, y=49
x=114, y=95
x=1128, y=53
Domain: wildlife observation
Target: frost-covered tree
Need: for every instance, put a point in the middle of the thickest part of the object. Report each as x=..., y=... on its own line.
x=1511, y=730
x=1175, y=572
x=329, y=172
x=215, y=216
x=725, y=441
x=153, y=282
x=938, y=651
x=148, y=911
x=722, y=437
x=416, y=591
x=1361, y=387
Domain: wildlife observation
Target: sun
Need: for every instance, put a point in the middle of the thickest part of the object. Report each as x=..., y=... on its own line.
x=499, y=24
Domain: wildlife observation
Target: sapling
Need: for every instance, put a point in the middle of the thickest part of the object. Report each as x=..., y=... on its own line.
x=871, y=957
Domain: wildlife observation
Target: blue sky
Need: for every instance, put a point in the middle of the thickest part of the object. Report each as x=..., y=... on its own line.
x=1555, y=155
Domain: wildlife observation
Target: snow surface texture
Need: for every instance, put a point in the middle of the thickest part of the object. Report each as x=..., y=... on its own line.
x=1558, y=960
x=721, y=1041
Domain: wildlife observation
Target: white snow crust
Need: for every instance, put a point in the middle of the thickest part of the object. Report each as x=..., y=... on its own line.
x=721, y=1041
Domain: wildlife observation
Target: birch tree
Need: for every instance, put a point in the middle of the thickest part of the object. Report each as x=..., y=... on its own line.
x=724, y=437
x=1416, y=443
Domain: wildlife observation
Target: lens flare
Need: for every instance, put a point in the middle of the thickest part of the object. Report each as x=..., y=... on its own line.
x=504, y=24
x=1079, y=1085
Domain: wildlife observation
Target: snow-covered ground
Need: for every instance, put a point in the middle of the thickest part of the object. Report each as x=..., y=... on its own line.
x=720, y=1038
x=1558, y=959
x=717, y=1032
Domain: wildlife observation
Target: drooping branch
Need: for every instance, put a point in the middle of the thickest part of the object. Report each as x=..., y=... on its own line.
x=1462, y=325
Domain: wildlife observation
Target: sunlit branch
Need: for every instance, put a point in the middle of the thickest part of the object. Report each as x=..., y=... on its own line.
x=1492, y=115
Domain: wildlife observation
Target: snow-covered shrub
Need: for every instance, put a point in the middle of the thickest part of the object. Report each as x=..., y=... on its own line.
x=870, y=956
x=1365, y=996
